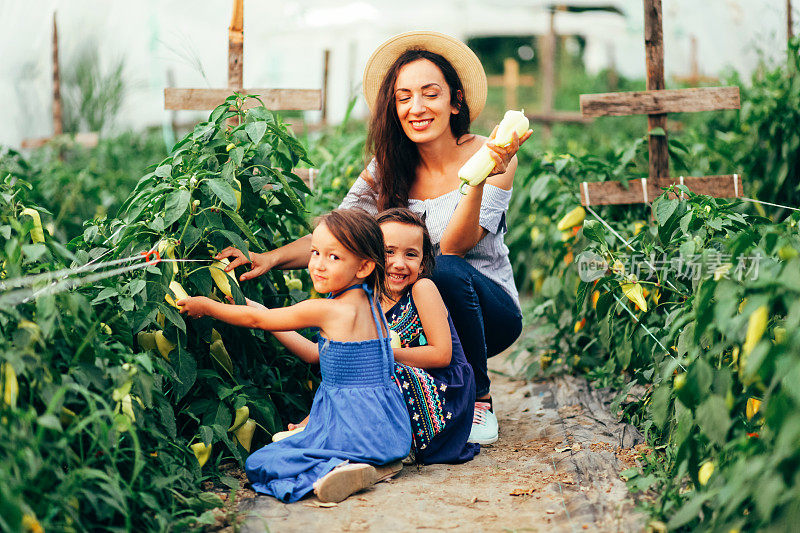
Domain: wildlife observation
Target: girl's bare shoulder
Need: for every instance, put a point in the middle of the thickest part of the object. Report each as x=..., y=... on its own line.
x=425, y=290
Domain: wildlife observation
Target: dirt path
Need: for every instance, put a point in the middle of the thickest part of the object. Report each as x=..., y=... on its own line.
x=555, y=468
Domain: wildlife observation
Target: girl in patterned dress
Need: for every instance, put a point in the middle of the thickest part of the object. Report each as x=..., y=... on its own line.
x=430, y=367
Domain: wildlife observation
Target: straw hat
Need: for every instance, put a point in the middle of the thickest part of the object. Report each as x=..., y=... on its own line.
x=466, y=63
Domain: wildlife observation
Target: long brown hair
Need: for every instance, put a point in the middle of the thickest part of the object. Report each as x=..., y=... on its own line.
x=397, y=155
x=404, y=215
x=358, y=231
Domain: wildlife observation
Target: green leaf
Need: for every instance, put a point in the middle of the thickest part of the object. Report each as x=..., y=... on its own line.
x=163, y=171
x=688, y=512
x=659, y=405
x=256, y=130
x=240, y=223
x=713, y=418
x=176, y=205
x=657, y=132
x=224, y=191
x=664, y=209
x=593, y=230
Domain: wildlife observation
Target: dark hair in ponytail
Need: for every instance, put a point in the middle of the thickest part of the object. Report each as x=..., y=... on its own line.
x=397, y=155
x=358, y=231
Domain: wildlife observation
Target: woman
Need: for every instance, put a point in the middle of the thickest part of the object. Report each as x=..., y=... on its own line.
x=424, y=89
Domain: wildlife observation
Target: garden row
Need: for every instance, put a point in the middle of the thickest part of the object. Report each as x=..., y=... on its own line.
x=692, y=315
x=114, y=407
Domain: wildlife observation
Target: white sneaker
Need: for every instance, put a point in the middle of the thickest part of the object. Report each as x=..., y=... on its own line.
x=484, y=425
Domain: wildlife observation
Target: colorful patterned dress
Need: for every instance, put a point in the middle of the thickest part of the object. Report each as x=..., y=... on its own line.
x=440, y=401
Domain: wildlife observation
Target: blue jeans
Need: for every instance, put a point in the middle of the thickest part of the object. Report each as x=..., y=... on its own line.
x=486, y=318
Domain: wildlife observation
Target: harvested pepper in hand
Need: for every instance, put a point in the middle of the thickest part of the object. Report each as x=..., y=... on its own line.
x=180, y=294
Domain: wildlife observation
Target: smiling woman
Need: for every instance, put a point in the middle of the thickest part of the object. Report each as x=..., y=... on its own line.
x=424, y=89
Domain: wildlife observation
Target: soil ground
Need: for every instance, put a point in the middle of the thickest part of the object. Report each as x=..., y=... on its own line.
x=555, y=468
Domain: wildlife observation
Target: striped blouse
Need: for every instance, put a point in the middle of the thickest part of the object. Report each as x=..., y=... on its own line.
x=489, y=256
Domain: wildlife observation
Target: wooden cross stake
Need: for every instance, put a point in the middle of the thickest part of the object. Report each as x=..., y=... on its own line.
x=547, y=51
x=274, y=99
x=85, y=139
x=510, y=81
x=656, y=102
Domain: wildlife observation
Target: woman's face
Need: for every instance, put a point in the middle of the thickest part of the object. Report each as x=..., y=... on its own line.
x=422, y=99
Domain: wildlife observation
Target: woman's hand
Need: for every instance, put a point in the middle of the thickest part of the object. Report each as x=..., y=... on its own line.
x=194, y=306
x=260, y=262
x=502, y=154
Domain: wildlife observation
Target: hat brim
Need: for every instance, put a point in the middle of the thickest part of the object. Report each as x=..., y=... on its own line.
x=465, y=62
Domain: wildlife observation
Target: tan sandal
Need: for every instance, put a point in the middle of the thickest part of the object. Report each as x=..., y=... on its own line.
x=389, y=471
x=345, y=480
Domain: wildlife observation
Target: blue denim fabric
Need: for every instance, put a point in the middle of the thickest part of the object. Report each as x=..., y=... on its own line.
x=486, y=317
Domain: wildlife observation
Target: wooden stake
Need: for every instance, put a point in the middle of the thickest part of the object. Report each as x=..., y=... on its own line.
x=236, y=46
x=548, y=55
x=511, y=81
x=325, y=66
x=789, y=32
x=654, y=52
x=58, y=124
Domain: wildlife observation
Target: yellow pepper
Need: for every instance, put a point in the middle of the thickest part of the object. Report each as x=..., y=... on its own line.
x=245, y=433
x=481, y=164
x=164, y=345
x=31, y=525
x=704, y=474
x=595, y=297
x=237, y=192
x=37, y=234
x=242, y=414
x=166, y=248
x=579, y=325
x=756, y=326
x=10, y=384
x=180, y=294
x=202, y=452
x=753, y=405
x=573, y=218
x=222, y=278
x=146, y=340
x=293, y=284
x=634, y=293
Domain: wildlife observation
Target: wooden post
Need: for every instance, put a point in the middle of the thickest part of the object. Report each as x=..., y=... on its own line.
x=789, y=32
x=510, y=81
x=613, y=76
x=58, y=124
x=236, y=47
x=548, y=55
x=654, y=54
x=325, y=66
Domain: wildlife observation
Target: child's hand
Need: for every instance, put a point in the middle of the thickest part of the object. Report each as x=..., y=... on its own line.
x=195, y=306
